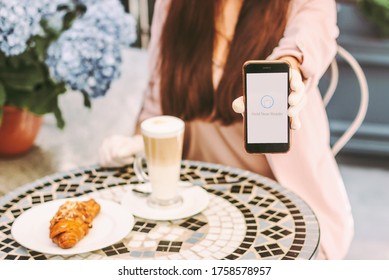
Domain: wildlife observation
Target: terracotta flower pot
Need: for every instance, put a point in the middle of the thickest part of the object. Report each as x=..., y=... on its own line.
x=18, y=131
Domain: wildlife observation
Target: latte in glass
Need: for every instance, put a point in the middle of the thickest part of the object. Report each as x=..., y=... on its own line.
x=163, y=138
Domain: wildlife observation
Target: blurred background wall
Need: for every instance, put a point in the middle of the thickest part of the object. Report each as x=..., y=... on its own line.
x=362, y=38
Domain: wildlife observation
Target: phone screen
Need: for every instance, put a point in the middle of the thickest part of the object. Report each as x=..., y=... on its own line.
x=267, y=103
x=266, y=89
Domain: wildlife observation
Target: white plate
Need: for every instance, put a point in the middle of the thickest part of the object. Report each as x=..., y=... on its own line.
x=195, y=199
x=31, y=229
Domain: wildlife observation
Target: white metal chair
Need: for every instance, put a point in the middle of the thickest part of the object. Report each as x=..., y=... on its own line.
x=364, y=92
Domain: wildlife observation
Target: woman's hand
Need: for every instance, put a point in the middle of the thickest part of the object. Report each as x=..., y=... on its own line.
x=118, y=150
x=297, y=99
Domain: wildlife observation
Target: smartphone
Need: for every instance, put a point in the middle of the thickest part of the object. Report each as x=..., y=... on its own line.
x=266, y=90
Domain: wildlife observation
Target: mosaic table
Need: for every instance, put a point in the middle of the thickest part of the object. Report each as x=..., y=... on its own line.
x=248, y=217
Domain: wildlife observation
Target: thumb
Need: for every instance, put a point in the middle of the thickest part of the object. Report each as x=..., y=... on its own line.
x=296, y=123
x=130, y=146
x=238, y=105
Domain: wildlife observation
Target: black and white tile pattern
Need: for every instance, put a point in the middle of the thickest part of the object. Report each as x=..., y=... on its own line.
x=248, y=217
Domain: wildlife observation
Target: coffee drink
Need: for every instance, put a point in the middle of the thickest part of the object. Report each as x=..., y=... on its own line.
x=163, y=140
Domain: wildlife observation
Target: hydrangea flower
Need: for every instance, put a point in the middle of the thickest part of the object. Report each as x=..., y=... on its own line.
x=115, y=23
x=88, y=2
x=47, y=8
x=85, y=58
x=17, y=24
x=20, y=21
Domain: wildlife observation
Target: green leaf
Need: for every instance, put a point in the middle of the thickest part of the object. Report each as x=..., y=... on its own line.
x=40, y=48
x=59, y=88
x=59, y=118
x=68, y=20
x=24, y=78
x=72, y=15
x=14, y=61
x=26, y=58
x=2, y=95
x=87, y=102
x=17, y=98
x=2, y=59
x=45, y=98
x=2, y=101
x=51, y=33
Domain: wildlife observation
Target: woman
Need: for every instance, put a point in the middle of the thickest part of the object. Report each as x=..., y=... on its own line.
x=196, y=54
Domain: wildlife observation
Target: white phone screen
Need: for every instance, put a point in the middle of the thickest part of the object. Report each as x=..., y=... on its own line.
x=267, y=103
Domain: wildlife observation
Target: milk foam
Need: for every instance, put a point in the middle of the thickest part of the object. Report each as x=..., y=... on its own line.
x=162, y=127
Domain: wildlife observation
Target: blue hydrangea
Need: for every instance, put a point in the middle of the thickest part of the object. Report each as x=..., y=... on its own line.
x=17, y=24
x=87, y=56
x=85, y=59
x=88, y=2
x=116, y=22
x=47, y=8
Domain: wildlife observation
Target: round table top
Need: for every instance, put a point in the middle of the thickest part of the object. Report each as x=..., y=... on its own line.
x=248, y=217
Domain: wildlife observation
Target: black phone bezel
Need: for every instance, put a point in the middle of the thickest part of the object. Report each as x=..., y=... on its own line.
x=265, y=67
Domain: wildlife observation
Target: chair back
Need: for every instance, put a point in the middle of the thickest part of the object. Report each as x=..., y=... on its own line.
x=364, y=93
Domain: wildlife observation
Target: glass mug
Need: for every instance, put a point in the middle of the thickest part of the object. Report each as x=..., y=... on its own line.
x=163, y=138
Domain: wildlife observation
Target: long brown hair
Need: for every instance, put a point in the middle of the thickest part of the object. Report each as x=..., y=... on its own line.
x=185, y=63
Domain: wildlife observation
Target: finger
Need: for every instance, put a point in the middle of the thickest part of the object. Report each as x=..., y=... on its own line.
x=296, y=123
x=108, y=158
x=104, y=159
x=104, y=154
x=122, y=161
x=295, y=97
x=296, y=80
x=293, y=111
x=129, y=146
x=123, y=150
x=108, y=151
x=137, y=144
x=238, y=105
x=298, y=88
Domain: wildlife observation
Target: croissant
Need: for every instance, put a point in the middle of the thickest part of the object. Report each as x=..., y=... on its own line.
x=72, y=222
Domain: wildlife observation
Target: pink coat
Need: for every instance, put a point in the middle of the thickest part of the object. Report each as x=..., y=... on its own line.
x=309, y=169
